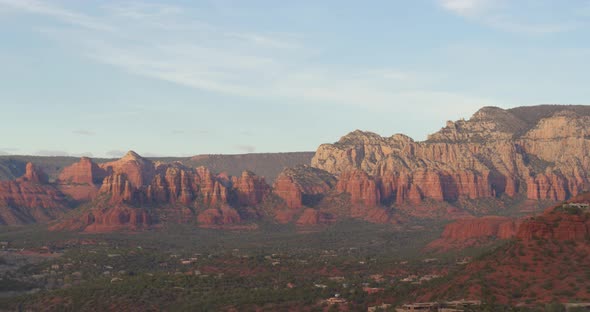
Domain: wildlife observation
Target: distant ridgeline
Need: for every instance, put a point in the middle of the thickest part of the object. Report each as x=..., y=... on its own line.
x=495, y=161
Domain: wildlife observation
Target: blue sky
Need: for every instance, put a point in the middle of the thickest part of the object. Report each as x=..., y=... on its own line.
x=181, y=78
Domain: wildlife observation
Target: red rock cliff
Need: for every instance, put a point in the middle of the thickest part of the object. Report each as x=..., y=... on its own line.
x=302, y=185
x=537, y=151
x=29, y=199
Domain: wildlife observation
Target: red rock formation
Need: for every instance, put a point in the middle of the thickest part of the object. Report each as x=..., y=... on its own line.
x=311, y=217
x=108, y=219
x=428, y=184
x=556, y=225
x=118, y=187
x=361, y=187
x=83, y=172
x=414, y=195
x=544, y=251
x=33, y=174
x=376, y=215
x=29, y=199
x=287, y=189
x=81, y=181
x=136, y=181
x=175, y=183
x=139, y=171
x=250, y=188
x=489, y=155
x=475, y=231
x=284, y=216
x=219, y=216
x=172, y=184
x=302, y=186
x=212, y=191
x=548, y=186
x=490, y=226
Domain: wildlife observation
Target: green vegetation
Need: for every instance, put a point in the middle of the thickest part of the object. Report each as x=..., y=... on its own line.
x=182, y=267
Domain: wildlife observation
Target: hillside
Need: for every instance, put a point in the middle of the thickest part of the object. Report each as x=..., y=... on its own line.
x=268, y=165
x=548, y=261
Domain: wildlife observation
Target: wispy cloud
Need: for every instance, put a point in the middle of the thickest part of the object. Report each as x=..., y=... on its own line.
x=246, y=148
x=153, y=155
x=165, y=42
x=61, y=153
x=8, y=150
x=51, y=153
x=115, y=153
x=84, y=132
x=525, y=17
x=466, y=7
x=67, y=16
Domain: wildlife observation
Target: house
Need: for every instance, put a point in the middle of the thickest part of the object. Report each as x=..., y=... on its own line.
x=419, y=307
x=378, y=278
x=428, y=277
x=336, y=300
x=382, y=307
x=578, y=306
x=336, y=278
x=409, y=278
x=449, y=306
x=372, y=290
x=577, y=205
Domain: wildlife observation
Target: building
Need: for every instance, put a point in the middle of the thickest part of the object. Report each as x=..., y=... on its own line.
x=578, y=306
x=382, y=307
x=336, y=300
x=419, y=307
x=577, y=205
x=448, y=306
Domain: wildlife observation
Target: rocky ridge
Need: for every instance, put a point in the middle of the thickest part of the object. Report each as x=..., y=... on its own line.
x=493, y=154
x=496, y=154
x=30, y=199
x=470, y=232
x=133, y=191
x=550, y=249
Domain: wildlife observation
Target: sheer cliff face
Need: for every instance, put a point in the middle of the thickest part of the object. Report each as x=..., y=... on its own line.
x=30, y=199
x=495, y=152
